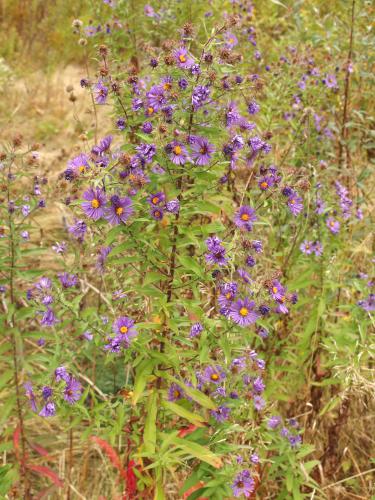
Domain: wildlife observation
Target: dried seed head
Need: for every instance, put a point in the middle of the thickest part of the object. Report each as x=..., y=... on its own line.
x=167, y=45
x=232, y=21
x=188, y=29
x=125, y=159
x=77, y=23
x=17, y=140
x=304, y=184
x=212, y=76
x=246, y=244
x=72, y=97
x=169, y=60
x=162, y=129
x=69, y=88
x=103, y=71
x=103, y=50
x=208, y=58
x=82, y=42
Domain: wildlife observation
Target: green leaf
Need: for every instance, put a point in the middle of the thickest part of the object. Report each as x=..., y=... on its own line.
x=195, y=394
x=143, y=372
x=198, y=451
x=191, y=264
x=149, y=434
x=183, y=412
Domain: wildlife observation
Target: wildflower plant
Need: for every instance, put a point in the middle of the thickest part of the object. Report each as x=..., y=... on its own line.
x=194, y=228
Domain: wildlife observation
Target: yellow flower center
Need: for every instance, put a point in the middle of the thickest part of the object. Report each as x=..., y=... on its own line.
x=182, y=58
x=292, y=201
x=231, y=40
x=264, y=185
x=244, y=311
x=150, y=110
x=282, y=299
x=157, y=213
x=214, y=376
x=245, y=217
x=124, y=329
x=155, y=200
x=95, y=203
x=331, y=223
x=167, y=86
x=228, y=295
x=176, y=394
x=82, y=169
x=274, y=289
x=177, y=150
x=119, y=210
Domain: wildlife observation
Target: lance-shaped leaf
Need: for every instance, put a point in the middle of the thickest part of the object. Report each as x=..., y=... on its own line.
x=143, y=372
x=194, y=418
x=198, y=451
x=149, y=433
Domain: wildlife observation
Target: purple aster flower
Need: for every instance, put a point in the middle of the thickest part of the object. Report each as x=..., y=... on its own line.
x=250, y=261
x=237, y=365
x=277, y=290
x=294, y=440
x=156, y=98
x=88, y=336
x=49, y=318
x=146, y=152
x=49, y=410
x=333, y=225
x=79, y=164
x=201, y=151
x=317, y=248
x=61, y=374
x=147, y=127
x=259, y=403
x=173, y=206
x=183, y=83
x=195, y=330
x=295, y=204
x=213, y=374
x=216, y=252
x=266, y=182
x=254, y=458
x=237, y=142
x=175, y=392
x=258, y=385
x=257, y=246
x=43, y=284
x=177, y=153
x=119, y=210
x=95, y=203
x=253, y=108
x=230, y=40
x=30, y=395
x=243, y=484
x=184, y=61
x=256, y=144
x=263, y=333
x=78, y=229
x=232, y=115
x=228, y=293
x=245, y=217
x=102, y=257
x=137, y=104
x=47, y=392
x=157, y=213
x=307, y=247
x=221, y=414
x=244, y=275
x=124, y=326
x=368, y=304
x=199, y=96
x=195, y=70
x=121, y=123
x=156, y=199
x=73, y=391
x=330, y=81
x=100, y=92
x=68, y=280
x=243, y=312
x=59, y=248
x=274, y=422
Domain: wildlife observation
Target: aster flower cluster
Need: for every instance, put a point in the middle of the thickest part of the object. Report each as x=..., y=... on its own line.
x=64, y=388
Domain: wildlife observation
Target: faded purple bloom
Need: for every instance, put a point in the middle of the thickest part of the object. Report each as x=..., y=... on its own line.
x=250, y=261
x=243, y=484
x=230, y=40
x=49, y=410
x=68, y=280
x=221, y=414
x=245, y=217
x=46, y=392
x=101, y=93
x=78, y=230
x=73, y=391
x=274, y=422
x=121, y=123
x=368, y=304
x=201, y=151
x=147, y=127
x=102, y=257
x=317, y=248
x=195, y=330
x=259, y=403
x=61, y=374
x=216, y=252
x=173, y=206
x=49, y=318
x=307, y=247
x=146, y=152
x=175, y=392
x=294, y=440
x=119, y=210
x=30, y=395
x=95, y=203
x=330, y=81
x=199, y=96
x=253, y=108
x=243, y=312
x=258, y=385
x=59, y=248
x=295, y=204
x=333, y=225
